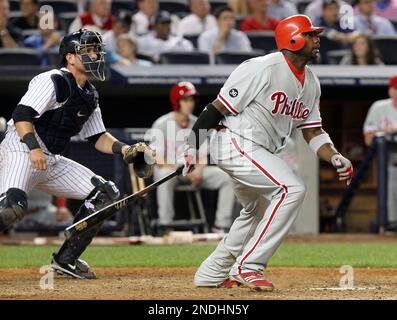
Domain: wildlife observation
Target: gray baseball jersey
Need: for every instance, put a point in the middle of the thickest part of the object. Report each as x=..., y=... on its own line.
x=266, y=101
x=266, y=105
x=382, y=116
x=64, y=177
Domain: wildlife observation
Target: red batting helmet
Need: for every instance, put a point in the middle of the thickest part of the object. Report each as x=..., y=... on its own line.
x=289, y=31
x=181, y=90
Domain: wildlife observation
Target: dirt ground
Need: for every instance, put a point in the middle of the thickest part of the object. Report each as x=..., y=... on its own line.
x=176, y=283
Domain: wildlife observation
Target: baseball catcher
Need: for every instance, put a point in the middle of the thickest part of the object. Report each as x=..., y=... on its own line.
x=59, y=104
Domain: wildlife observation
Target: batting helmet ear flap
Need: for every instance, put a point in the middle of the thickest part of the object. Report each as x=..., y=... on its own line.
x=297, y=42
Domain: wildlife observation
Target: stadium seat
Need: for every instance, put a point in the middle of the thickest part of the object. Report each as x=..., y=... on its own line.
x=394, y=22
x=65, y=20
x=14, y=5
x=118, y=5
x=145, y=56
x=19, y=57
x=193, y=39
x=387, y=46
x=184, y=58
x=174, y=6
x=236, y=57
x=30, y=32
x=262, y=40
x=238, y=21
x=13, y=16
x=302, y=4
x=61, y=6
x=217, y=3
x=327, y=45
x=53, y=57
x=335, y=56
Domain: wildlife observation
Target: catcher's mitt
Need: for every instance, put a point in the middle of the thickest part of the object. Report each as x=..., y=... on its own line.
x=141, y=156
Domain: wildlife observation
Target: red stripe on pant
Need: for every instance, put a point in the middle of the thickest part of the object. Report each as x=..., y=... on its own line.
x=275, y=208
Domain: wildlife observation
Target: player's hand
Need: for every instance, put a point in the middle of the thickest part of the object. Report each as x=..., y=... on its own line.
x=38, y=159
x=343, y=166
x=188, y=160
x=195, y=176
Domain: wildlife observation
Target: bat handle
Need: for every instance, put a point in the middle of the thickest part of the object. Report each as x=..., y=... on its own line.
x=69, y=234
x=179, y=170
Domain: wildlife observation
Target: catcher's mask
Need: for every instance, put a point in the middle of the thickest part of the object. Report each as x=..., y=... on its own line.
x=84, y=43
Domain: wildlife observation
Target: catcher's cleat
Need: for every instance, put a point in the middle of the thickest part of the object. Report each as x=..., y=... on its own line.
x=79, y=270
x=253, y=280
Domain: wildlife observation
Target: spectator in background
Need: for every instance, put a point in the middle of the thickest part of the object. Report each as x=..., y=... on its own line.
x=314, y=9
x=81, y=5
x=199, y=20
x=259, y=20
x=161, y=40
x=29, y=15
x=331, y=23
x=280, y=9
x=224, y=38
x=46, y=40
x=121, y=25
x=367, y=22
x=239, y=7
x=126, y=52
x=363, y=52
x=169, y=133
x=144, y=18
x=386, y=9
x=9, y=35
x=99, y=16
x=382, y=117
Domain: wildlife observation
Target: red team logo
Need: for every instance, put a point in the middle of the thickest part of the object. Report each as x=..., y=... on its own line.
x=295, y=109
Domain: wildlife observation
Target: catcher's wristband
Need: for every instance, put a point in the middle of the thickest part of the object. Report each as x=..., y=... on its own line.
x=30, y=140
x=117, y=146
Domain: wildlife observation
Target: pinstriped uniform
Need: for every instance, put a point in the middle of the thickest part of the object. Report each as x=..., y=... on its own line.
x=63, y=177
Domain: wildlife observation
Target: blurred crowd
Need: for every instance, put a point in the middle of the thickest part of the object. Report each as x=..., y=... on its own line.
x=139, y=31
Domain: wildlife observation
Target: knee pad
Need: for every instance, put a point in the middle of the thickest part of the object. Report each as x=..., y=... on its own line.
x=13, y=207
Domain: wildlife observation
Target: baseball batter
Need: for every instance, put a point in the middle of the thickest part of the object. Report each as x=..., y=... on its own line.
x=58, y=105
x=260, y=103
x=382, y=117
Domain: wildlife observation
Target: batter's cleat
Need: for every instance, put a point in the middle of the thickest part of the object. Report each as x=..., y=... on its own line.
x=253, y=280
x=228, y=284
x=79, y=270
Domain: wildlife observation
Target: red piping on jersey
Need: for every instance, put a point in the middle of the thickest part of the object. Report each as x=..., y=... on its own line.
x=227, y=105
x=316, y=124
x=268, y=175
x=300, y=75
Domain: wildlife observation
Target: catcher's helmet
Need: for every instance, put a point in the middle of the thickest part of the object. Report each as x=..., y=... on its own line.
x=78, y=42
x=181, y=90
x=289, y=31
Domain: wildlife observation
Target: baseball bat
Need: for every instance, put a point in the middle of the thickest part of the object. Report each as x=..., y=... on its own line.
x=101, y=215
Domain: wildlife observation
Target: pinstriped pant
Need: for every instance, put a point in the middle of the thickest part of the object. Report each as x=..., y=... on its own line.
x=63, y=177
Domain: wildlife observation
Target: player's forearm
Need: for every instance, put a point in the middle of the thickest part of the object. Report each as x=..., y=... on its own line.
x=208, y=119
x=23, y=127
x=324, y=151
x=368, y=137
x=105, y=144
